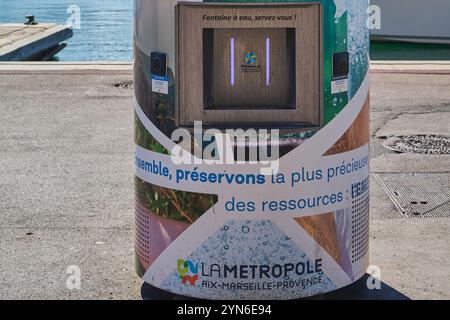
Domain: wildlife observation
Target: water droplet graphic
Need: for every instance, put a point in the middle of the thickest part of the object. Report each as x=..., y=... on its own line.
x=226, y=228
x=245, y=229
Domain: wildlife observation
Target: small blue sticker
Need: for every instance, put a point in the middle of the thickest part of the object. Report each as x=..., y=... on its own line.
x=160, y=84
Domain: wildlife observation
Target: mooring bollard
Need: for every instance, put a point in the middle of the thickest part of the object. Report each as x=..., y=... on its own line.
x=252, y=147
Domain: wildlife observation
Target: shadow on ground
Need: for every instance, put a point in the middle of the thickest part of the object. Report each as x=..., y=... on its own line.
x=356, y=291
x=360, y=291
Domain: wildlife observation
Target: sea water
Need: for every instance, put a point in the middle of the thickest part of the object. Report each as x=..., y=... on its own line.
x=105, y=26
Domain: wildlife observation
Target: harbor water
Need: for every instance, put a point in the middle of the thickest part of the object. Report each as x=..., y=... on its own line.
x=103, y=28
x=106, y=26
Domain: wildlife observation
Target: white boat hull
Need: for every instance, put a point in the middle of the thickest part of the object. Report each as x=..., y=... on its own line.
x=414, y=21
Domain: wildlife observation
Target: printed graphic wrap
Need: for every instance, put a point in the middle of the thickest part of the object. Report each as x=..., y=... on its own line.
x=235, y=234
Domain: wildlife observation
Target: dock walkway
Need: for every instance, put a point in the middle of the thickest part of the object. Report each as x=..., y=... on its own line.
x=20, y=42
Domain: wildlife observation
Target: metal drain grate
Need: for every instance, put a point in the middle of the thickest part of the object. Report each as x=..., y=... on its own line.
x=423, y=195
x=424, y=144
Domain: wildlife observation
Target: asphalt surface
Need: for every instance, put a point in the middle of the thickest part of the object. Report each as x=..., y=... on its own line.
x=66, y=185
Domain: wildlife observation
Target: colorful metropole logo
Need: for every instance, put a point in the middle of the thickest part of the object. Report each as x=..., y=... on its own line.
x=188, y=272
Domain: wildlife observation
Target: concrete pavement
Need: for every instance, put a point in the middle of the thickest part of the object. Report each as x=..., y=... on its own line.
x=66, y=187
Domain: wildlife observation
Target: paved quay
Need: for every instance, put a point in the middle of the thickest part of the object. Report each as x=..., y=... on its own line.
x=66, y=181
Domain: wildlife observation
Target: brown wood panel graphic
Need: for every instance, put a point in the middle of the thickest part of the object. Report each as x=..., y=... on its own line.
x=357, y=136
x=322, y=228
x=193, y=81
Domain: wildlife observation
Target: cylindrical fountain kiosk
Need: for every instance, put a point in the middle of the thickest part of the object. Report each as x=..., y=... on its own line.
x=280, y=208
